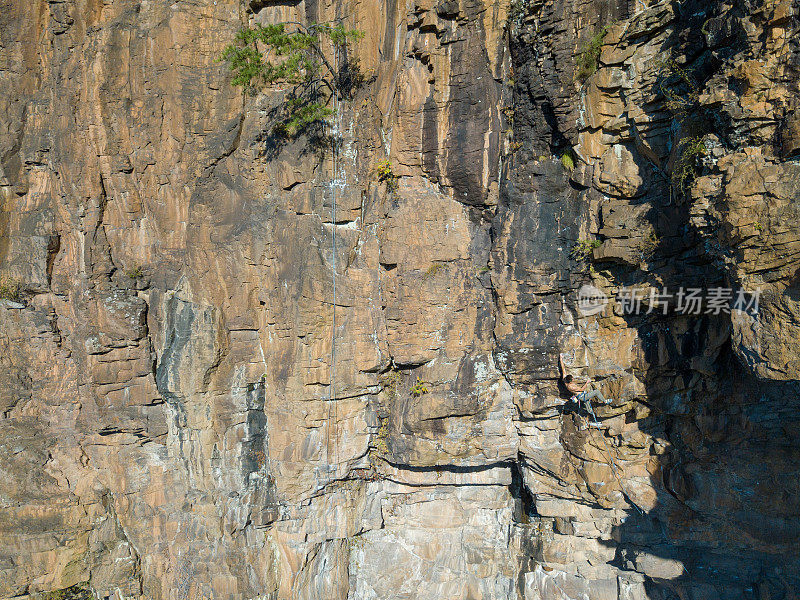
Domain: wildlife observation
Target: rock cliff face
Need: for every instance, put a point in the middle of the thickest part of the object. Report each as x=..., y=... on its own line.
x=233, y=368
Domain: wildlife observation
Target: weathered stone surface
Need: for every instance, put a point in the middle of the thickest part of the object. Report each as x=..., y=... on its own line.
x=241, y=369
x=682, y=387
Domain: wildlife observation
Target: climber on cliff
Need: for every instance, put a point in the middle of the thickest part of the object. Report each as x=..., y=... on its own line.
x=579, y=395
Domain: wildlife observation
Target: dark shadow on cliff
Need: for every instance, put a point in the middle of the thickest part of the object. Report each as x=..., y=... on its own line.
x=727, y=508
x=725, y=519
x=725, y=522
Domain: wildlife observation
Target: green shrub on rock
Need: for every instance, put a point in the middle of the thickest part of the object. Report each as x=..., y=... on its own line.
x=689, y=150
x=76, y=592
x=10, y=289
x=589, y=58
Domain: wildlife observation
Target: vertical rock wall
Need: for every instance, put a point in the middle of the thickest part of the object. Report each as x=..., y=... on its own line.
x=214, y=385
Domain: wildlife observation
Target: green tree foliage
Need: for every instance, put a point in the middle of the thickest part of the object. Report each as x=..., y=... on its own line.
x=291, y=54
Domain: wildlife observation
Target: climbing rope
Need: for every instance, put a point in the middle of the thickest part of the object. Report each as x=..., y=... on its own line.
x=332, y=408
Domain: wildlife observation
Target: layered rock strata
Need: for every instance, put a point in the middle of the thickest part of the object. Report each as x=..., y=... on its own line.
x=236, y=367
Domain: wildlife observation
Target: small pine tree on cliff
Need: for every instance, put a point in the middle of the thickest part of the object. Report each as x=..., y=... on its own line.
x=291, y=54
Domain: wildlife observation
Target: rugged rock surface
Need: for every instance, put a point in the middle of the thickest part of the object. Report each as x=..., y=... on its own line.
x=243, y=369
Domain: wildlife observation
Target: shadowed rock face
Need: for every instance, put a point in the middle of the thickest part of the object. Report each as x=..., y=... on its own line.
x=245, y=369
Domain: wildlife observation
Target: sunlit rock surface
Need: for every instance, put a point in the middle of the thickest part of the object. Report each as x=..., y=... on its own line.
x=245, y=369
